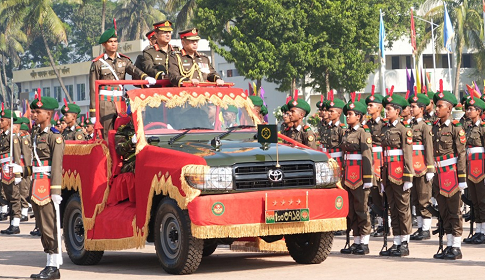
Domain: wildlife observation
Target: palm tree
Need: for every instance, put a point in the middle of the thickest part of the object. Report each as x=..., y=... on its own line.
x=467, y=23
x=184, y=11
x=38, y=19
x=134, y=18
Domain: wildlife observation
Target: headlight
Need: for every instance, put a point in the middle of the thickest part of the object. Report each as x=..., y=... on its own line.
x=210, y=178
x=327, y=173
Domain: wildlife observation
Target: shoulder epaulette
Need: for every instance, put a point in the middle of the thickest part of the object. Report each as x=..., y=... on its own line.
x=385, y=120
x=406, y=124
x=306, y=128
x=366, y=128
x=53, y=129
x=78, y=128
x=97, y=58
x=456, y=123
x=428, y=122
x=125, y=56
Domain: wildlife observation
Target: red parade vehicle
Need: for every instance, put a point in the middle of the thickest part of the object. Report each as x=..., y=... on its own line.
x=200, y=180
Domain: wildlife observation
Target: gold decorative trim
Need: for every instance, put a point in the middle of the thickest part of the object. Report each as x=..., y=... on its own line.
x=116, y=244
x=250, y=230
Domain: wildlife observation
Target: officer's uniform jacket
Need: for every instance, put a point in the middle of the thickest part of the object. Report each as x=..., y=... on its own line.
x=183, y=68
x=303, y=135
x=423, y=159
x=375, y=128
x=475, y=136
x=357, y=148
x=9, y=174
x=155, y=61
x=74, y=132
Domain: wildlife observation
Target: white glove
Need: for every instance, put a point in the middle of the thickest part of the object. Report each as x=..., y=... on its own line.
x=16, y=168
x=133, y=139
x=367, y=185
x=17, y=180
x=382, y=188
x=407, y=186
x=56, y=199
x=93, y=120
x=151, y=81
x=462, y=186
x=429, y=176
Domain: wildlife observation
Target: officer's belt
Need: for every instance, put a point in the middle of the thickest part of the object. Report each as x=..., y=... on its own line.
x=475, y=150
x=394, y=152
x=41, y=169
x=7, y=159
x=418, y=147
x=446, y=162
x=377, y=149
x=353, y=157
x=111, y=92
x=336, y=154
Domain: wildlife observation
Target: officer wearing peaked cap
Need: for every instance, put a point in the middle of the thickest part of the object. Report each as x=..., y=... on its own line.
x=423, y=163
x=301, y=133
x=150, y=35
x=357, y=176
x=449, y=141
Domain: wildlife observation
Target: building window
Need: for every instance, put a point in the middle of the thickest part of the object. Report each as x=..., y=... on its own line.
x=58, y=93
x=408, y=61
x=444, y=61
x=229, y=73
x=81, y=92
x=428, y=61
x=395, y=62
x=70, y=90
x=466, y=61
x=46, y=91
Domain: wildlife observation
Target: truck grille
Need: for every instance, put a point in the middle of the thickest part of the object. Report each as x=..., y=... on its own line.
x=296, y=174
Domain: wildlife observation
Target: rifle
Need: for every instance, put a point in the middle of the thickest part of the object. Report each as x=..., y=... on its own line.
x=471, y=216
x=385, y=211
x=440, y=229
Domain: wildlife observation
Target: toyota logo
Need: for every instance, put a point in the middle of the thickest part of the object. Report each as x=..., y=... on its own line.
x=275, y=175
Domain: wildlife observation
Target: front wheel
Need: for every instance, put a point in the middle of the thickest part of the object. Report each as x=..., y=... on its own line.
x=177, y=250
x=73, y=229
x=309, y=248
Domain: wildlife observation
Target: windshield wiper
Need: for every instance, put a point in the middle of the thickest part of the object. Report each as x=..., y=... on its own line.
x=232, y=128
x=178, y=136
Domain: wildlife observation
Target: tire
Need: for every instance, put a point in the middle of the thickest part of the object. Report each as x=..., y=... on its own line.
x=309, y=248
x=177, y=250
x=73, y=230
x=210, y=247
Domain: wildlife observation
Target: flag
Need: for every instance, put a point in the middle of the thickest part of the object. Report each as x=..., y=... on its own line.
x=418, y=82
x=483, y=2
x=448, y=31
x=476, y=88
x=382, y=36
x=423, y=83
x=251, y=92
x=413, y=31
x=410, y=84
x=428, y=80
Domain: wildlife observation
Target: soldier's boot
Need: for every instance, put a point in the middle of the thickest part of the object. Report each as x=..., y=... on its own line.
x=49, y=272
x=454, y=254
x=469, y=240
x=416, y=233
x=402, y=250
x=35, y=232
x=389, y=251
x=442, y=254
x=362, y=249
x=11, y=230
x=349, y=250
x=425, y=234
x=480, y=239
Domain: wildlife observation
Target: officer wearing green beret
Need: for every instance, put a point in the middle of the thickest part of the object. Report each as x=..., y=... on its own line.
x=357, y=176
x=331, y=134
x=258, y=103
x=262, y=113
x=449, y=139
x=48, y=151
x=429, y=114
x=423, y=164
x=188, y=65
x=89, y=126
x=287, y=124
x=475, y=135
x=11, y=170
x=230, y=116
x=465, y=120
x=397, y=143
x=375, y=124
x=155, y=57
x=111, y=65
x=73, y=131
x=299, y=132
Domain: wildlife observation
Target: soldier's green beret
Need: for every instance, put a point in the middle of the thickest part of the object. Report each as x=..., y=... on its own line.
x=17, y=120
x=374, y=98
x=322, y=105
x=395, y=99
x=464, y=98
x=335, y=103
x=87, y=122
x=108, y=34
x=431, y=95
x=70, y=108
x=45, y=103
x=232, y=109
x=284, y=108
x=419, y=98
x=446, y=96
x=300, y=103
x=24, y=127
x=264, y=110
x=7, y=114
x=257, y=101
x=356, y=106
x=25, y=120
x=476, y=102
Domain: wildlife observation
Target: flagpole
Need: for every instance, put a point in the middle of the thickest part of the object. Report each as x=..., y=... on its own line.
x=381, y=48
x=449, y=72
x=434, y=53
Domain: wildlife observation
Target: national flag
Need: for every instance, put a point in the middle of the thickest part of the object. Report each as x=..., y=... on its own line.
x=448, y=31
x=251, y=92
x=476, y=88
x=413, y=32
x=382, y=36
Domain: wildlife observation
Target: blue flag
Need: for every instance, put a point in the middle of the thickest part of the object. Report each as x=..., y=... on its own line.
x=382, y=35
x=448, y=31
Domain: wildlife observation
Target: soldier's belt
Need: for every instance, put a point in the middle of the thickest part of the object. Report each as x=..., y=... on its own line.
x=41, y=169
x=446, y=162
x=475, y=150
x=117, y=93
x=324, y=149
x=418, y=147
x=353, y=157
x=377, y=149
x=6, y=158
x=394, y=152
x=336, y=154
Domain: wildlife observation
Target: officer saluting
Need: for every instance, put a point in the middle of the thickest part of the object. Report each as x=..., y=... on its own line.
x=48, y=150
x=301, y=133
x=449, y=140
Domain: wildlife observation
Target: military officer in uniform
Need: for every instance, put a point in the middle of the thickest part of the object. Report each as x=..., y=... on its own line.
x=357, y=179
x=423, y=163
x=24, y=141
x=230, y=116
x=397, y=145
x=257, y=102
x=465, y=120
x=299, y=132
x=89, y=134
x=155, y=57
x=449, y=141
x=11, y=171
x=263, y=113
x=73, y=131
x=287, y=124
x=332, y=134
x=475, y=135
x=429, y=113
x=375, y=124
x=111, y=65
x=188, y=65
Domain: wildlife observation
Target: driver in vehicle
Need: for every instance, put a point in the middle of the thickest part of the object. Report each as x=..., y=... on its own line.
x=230, y=116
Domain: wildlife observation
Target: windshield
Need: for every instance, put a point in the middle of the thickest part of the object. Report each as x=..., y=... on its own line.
x=160, y=120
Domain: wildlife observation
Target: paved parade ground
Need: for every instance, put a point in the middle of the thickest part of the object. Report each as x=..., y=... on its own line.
x=22, y=255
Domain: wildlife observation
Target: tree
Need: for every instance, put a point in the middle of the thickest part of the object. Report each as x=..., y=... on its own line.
x=182, y=11
x=467, y=23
